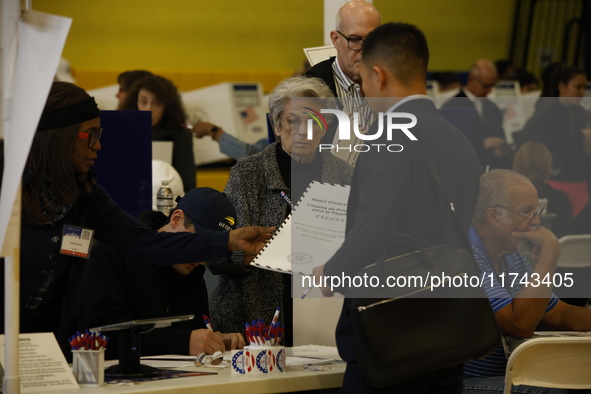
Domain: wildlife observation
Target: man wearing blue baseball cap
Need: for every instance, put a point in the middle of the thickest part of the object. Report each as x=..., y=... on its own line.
x=117, y=288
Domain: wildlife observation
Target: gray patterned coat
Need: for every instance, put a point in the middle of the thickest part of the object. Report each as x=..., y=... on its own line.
x=243, y=293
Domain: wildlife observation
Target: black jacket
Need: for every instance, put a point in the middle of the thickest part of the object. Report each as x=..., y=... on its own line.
x=489, y=125
x=559, y=204
x=559, y=129
x=117, y=288
x=391, y=193
x=323, y=70
x=40, y=247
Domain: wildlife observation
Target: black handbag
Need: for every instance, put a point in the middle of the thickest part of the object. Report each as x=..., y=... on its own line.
x=403, y=332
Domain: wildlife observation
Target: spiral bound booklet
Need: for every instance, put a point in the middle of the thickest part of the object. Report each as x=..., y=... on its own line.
x=311, y=234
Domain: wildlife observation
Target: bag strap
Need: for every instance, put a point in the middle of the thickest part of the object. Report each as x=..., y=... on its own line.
x=462, y=235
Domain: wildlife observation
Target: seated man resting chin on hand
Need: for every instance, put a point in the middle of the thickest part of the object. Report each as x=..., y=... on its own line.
x=117, y=288
x=506, y=223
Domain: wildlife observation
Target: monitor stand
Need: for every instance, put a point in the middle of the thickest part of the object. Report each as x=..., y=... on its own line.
x=129, y=356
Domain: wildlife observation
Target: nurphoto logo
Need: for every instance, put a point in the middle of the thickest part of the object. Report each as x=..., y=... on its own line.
x=344, y=129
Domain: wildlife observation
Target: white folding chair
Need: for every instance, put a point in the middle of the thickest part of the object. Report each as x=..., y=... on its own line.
x=556, y=362
x=576, y=251
x=575, y=259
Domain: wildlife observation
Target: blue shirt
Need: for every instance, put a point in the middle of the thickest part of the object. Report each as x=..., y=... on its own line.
x=495, y=363
x=237, y=149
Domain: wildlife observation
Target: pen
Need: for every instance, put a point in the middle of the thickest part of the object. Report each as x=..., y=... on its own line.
x=187, y=359
x=276, y=315
x=286, y=198
x=207, y=322
x=306, y=292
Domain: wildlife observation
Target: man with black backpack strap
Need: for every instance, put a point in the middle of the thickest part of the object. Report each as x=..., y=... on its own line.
x=392, y=192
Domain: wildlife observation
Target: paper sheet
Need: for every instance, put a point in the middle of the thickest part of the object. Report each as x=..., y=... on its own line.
x=42, y=364
x=41, y=41
x=311, y=235
x=174, y=361
x=301, y=361
x=510, y=344
x=316, y=351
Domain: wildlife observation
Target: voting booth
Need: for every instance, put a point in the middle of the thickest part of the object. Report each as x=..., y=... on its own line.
x=124, y=165
x=105, y=97
x=238, y=108
x=506, y=95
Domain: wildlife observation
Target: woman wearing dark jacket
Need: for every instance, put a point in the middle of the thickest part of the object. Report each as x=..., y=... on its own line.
x=564, y=127
x=159, y=95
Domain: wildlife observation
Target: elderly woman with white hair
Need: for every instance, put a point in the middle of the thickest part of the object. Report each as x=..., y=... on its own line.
x=262, y=188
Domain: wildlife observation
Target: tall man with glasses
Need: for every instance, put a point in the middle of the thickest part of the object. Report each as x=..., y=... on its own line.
x=487, y=135
x=506, y=223
x=354, y=21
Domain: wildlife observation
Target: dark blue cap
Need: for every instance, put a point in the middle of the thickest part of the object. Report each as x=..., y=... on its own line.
x=208, y=209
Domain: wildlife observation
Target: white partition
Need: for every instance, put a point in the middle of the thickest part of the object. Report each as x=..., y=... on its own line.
x=315, y=317
x=505, y=95
x=105, y=97
x=315, y=320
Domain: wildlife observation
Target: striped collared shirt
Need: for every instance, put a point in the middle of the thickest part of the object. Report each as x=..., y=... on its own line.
x=353, y=100
x=495, y=363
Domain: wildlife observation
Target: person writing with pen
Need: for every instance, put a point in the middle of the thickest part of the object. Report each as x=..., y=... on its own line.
x=117, y=288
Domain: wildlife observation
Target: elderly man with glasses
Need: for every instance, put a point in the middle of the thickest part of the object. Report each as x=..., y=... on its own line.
x=506, y=223
x=487, y=135
x=354, y=21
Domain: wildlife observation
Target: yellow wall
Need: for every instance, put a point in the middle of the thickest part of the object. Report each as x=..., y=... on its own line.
x=197, y=43
x=458, y=31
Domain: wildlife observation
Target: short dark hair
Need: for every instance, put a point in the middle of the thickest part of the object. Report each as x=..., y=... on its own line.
x=502, y=66
x=166, y=93
x=401, y=47
x=127, y=78
x=525, y=78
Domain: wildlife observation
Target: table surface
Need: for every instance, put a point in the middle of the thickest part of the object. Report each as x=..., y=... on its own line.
x=293, y=379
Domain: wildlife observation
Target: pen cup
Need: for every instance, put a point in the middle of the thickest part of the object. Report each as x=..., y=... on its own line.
x=258, y=360
x=89, y=367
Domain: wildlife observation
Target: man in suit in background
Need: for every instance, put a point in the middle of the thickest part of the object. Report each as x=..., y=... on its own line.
x=391, y=193
x=487, y=135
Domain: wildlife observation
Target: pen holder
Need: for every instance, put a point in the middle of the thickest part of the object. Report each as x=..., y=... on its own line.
x=89, y=367
x=258, y=360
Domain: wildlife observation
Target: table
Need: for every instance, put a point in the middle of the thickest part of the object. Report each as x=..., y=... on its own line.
x=293, y=379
